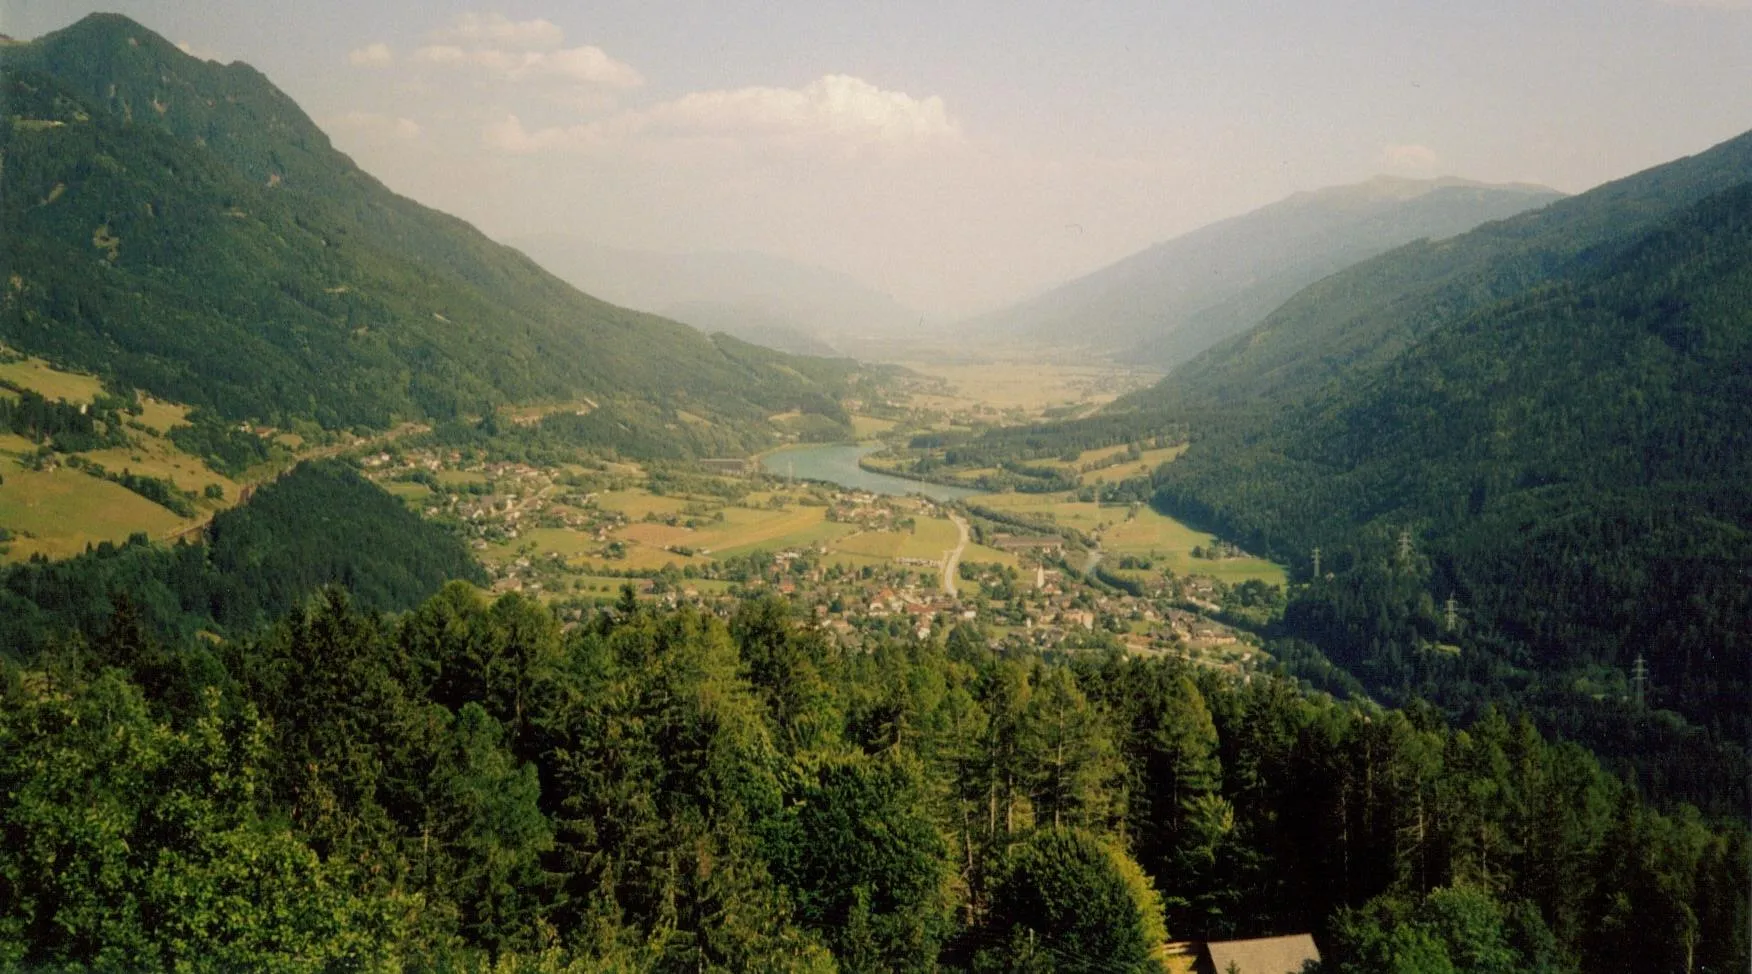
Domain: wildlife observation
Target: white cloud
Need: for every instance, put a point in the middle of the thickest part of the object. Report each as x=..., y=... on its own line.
x=376, y=125
x=371, y=55
x=512, y=138
x=581, y=65
x=835, y=111
x=523, y=50
x=1416, y=158
x=1710, y=4
x=837, y=104
x=497, y=31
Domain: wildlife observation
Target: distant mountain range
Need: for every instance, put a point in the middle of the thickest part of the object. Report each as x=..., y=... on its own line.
x=184, y=228
x=760, y=298
x=1555, y=410
x=1165, y=304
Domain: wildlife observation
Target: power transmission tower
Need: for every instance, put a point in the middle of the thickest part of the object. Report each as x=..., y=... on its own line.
x=1639, y=681
x=1451, y=614
x=1405, y=545
x=1316, y=562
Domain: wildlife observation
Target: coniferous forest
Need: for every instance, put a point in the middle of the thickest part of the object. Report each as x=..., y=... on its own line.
x=1411, y=615
x=470, y=785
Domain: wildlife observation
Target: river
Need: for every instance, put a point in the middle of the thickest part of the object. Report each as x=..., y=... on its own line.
x=837, y=463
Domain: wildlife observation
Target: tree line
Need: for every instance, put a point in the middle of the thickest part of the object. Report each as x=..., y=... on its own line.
x=472, y=784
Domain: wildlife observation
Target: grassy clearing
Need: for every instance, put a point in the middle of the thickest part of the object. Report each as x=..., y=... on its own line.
x=160, y=416
x=929, y=539
x=978, y=554
x=157, y=458
x=461, y=478
x=1146, y=463
x=1060, y=508
x=561, y=541
x=641, y=558
x=407, y=490
x=1159, y=537
x=864, y=427
x=64, y=510
x=1024, y=385
x=636, y=504
x=34, y=373
x=743, y=526
x=879, y=545
x=16, y=445
x=797, y=534
x=658, y=535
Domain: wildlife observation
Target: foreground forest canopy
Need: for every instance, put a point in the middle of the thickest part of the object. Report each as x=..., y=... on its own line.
x=469, y=784
x=1412, y=615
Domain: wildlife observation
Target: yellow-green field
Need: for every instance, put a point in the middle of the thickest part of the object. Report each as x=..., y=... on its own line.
x=1143, y=531
x=160, y=416
x=461, y=478
x=34, y=373
x=1159, y=537
x=635, y=504
x=64, y=510
x=58, y=512
x=822, y=532
x=406, y=490
x=1146, y=463
x=864, y=427
x=1060, y=508
x=978, y=554
x=1029, y=386
x=157, y=458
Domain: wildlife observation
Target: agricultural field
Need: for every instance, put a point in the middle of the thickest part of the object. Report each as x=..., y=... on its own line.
x=866, y=427
x=1140, y=530
x=1145, y=464
x=1151, y=534
x=1062, y=509
x=159, y=416
x=57, y=512
x=52, y=383
x=1027, y=387
x=154, y=457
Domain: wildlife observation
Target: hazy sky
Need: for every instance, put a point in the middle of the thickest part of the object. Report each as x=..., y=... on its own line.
x=963, y=154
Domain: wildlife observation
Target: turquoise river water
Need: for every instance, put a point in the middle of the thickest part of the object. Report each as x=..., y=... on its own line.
x=838, y=464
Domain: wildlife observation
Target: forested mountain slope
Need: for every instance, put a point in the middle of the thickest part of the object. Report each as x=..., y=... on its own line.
x=1362, y=317
x=1570, y=462
x=319, y=524
x=1168, y=303
x=183, y=227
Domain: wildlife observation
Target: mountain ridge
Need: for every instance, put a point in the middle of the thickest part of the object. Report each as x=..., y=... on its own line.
x=1171, y=300
x=248, y=267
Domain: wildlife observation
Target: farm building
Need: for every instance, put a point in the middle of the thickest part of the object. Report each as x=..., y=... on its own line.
x=1264, y=955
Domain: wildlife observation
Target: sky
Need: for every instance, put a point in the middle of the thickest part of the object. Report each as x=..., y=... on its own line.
x=963, y=154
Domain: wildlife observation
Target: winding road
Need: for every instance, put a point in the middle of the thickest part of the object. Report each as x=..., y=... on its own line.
x=952, y=560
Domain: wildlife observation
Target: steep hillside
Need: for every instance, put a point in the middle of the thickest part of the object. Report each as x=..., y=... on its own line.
x=183, y=227
x=1360, y=318
x=1166, y=304
x=1570, y=462
x=320, y=524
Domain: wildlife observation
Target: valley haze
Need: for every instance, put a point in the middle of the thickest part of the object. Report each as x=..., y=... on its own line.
x=955, y=488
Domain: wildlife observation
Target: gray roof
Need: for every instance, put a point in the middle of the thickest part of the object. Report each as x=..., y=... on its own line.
x=1266, y=955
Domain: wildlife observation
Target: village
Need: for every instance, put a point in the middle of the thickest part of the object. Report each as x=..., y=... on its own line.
x=854, y=564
